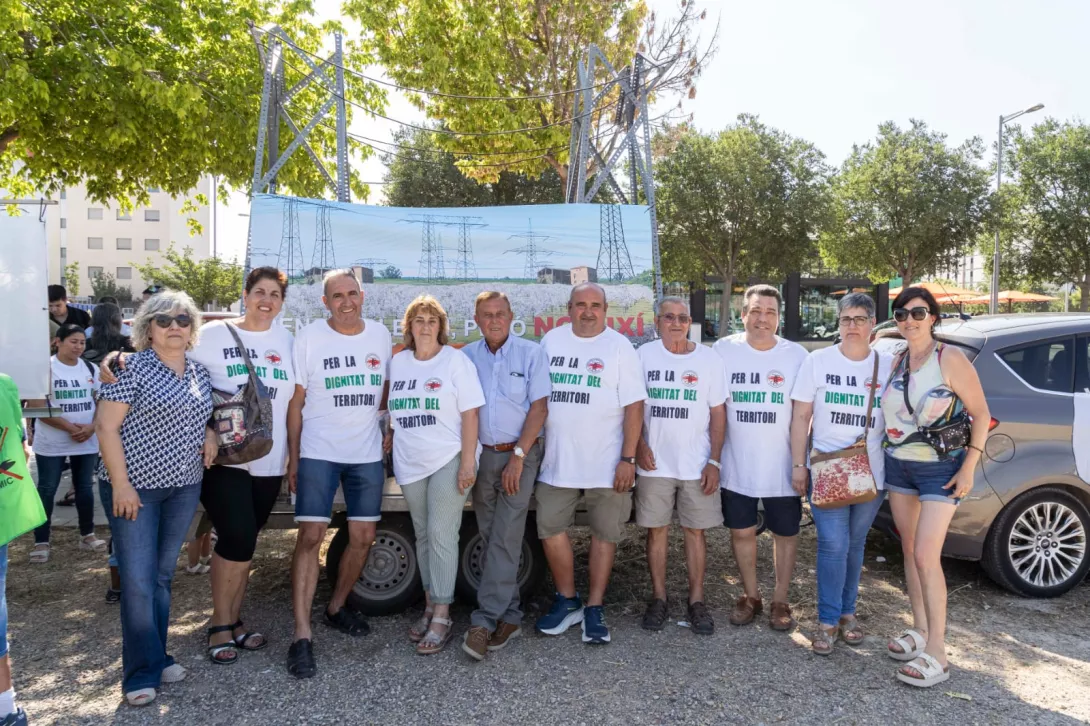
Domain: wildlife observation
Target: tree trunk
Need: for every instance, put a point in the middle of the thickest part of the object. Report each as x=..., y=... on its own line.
x=724, y=305
x=1084, y=294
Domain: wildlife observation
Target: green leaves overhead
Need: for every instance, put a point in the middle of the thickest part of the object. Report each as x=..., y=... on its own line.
x=130, y=94
x=206, y=281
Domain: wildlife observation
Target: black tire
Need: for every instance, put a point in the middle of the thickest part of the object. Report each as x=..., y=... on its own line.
x=999, y=562
x=470, y=545
x=390, y=581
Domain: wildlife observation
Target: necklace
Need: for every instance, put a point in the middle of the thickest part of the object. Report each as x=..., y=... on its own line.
x=920, y=364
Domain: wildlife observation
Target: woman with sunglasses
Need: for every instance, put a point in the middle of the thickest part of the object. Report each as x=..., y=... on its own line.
x=931, y=384
x=155, y=442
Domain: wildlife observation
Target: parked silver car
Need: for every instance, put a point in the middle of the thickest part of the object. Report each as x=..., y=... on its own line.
x=1027, y=518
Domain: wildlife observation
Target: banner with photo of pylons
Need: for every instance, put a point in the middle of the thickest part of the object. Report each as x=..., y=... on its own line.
x=534, y=254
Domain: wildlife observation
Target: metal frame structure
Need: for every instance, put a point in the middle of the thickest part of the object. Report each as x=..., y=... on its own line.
x=635, y=83
x=272, y=43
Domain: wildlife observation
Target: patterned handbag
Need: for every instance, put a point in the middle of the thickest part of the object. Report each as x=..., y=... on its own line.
x=842, y=477
x=243, y=420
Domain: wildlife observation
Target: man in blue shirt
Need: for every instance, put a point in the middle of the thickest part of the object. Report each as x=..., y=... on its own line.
x=514, y=374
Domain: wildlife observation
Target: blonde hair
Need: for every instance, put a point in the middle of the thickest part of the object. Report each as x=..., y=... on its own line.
x=490, y=295
x=164, y=302
x=423, y=304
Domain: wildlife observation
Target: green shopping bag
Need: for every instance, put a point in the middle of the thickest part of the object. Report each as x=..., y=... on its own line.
x=20, y=506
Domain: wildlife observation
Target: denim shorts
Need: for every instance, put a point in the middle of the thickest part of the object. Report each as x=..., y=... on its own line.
x=923, y=479
x=317, y=484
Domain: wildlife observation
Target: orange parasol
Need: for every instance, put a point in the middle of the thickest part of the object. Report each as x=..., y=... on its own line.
x=1008, y=296
x=944, y=294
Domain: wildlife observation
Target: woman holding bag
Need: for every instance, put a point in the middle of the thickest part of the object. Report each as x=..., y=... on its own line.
x=835, y=400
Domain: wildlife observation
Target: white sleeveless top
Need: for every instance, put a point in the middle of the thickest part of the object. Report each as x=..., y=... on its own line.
x=932, y=400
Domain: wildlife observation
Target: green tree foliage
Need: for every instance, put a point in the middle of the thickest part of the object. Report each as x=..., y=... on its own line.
x=1052, y=168
x=207, y=281
x=421, y=174
x=391, y=272
x=906, y=203
x=105, y=285
x=746, y=201
x=520, y=48
x=71, y=278
x=130, y=94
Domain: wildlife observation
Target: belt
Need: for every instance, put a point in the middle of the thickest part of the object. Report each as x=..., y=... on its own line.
x=503, y=448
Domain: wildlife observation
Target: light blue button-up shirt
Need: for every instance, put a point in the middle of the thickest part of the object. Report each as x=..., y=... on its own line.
x=513, y=377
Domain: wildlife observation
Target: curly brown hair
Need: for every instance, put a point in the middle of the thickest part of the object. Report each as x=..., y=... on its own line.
x=423, y=304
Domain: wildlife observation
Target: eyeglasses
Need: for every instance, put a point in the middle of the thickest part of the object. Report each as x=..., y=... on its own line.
x=858, y=321
x=163, y=320
x=671, y=318
x=901, y=314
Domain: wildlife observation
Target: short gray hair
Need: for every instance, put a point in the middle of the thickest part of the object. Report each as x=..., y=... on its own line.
x=165, y=302
x=856, y=300
x=675, y=300
x=334, y=274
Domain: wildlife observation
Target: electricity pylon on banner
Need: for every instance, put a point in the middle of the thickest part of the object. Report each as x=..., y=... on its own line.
x=323, y=257
x=535, y=257
x=613, y=250
x=431, y=246
x=290, y=257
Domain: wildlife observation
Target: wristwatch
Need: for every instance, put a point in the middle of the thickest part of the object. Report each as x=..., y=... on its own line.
x=517, y=451
x=629, y=460
x=716, y=464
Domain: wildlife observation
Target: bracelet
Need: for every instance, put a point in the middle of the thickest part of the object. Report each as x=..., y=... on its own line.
x=970, y=446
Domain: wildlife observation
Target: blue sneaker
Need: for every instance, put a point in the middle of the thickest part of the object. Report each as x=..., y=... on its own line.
x=595, y=630
x=565, y=612
x=15, y=719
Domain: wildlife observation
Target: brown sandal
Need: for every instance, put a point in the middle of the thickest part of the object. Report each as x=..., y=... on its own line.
x=780, y=616
x=434, y=642
x=851, y=632
x=822, y=644
x=745, y=610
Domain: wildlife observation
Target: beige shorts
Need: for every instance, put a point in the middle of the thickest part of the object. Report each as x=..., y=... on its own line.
x=655, y=497
x=608, y=511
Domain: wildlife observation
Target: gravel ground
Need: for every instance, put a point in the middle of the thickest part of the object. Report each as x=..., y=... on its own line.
x=1013, y=660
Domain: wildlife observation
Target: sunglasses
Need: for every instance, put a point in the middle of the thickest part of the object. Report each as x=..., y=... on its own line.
x=671, y=318
x=164, y=321
x=901, y=314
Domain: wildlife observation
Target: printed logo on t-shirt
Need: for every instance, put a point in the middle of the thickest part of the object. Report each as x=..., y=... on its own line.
x=656, y=391
x=775, y=379
x=573, y=379
x=432, y=385
x=236, y=366
x=372, y=361
x=73, y=395
x=689, y=379
x=869, y=383
x=595, y=365
x=350, y=380
x=272, y=357
x=850, y=399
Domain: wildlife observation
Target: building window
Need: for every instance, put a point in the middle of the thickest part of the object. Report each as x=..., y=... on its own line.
x=124, y=243
x=64, y=255
x=151, y=215
x=64, y=194
x=124, y=273
x=151, y=245
x=94, y=272
x=123, y=216
x=153, y=190
x=64, y=223
x=94, y=213
x=94, y=243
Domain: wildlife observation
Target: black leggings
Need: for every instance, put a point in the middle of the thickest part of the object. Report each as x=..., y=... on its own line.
x=238, y=505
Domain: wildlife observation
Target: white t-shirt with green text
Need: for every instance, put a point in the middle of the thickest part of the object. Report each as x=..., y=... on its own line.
x=72, y=398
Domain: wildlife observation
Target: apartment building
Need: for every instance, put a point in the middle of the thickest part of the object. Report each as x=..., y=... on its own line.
x=103, y=239
x=967, y=271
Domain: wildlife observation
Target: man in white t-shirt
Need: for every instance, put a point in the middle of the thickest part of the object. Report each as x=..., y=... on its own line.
x=341, y=371
x=684, y=422
x=761, y=369
x=593, y=426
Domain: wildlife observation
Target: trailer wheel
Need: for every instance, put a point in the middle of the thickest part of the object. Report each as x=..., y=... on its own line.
x=390, y=581
x=532, y=567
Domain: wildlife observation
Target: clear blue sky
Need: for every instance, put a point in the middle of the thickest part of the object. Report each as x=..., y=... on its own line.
x=830, y=71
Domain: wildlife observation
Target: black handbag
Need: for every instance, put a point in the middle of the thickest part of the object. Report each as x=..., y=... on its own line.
x=243, y=420
x=945, y=438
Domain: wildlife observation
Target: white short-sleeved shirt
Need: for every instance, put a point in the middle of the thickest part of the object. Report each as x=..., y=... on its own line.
x=681, y=391
x=271, y=353
x=426, y=403
x=839, y=389
x=757, y=452
x=343, y=376
x=593, y=380
x=73, y=394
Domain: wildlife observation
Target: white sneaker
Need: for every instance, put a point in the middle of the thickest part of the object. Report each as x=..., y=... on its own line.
x=173, y=674
x=197, y=569
x=92, y=543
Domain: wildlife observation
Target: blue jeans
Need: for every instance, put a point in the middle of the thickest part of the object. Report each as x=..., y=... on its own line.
x=147, y=553
x=3, y=601
x=841, y=536
x=83, y=479
x=106, y=496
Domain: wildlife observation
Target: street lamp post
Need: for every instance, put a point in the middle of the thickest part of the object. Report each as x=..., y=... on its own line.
x=1003, y=121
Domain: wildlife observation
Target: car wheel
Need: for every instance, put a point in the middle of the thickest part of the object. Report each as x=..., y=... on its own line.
x=1037, y=545
x=531, y=572
x=390, y=581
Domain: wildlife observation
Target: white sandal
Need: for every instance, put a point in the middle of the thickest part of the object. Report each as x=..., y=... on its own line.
x=912, y=644
x=433, y=642
x=40, y=554
x=140, y=697
x=928, y=667
x=92, y=543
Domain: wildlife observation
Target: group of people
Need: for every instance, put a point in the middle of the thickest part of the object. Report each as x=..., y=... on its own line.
x=716, y=434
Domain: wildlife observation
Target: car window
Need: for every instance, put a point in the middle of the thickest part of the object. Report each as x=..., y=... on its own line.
x=1082, y=364
x=1048, y=366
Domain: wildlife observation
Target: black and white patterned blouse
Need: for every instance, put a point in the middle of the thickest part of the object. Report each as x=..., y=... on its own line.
x=163, y=432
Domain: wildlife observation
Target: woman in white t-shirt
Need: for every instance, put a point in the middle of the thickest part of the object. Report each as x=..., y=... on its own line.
x=70, y=434
x=831, y=400
x=433, y=402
